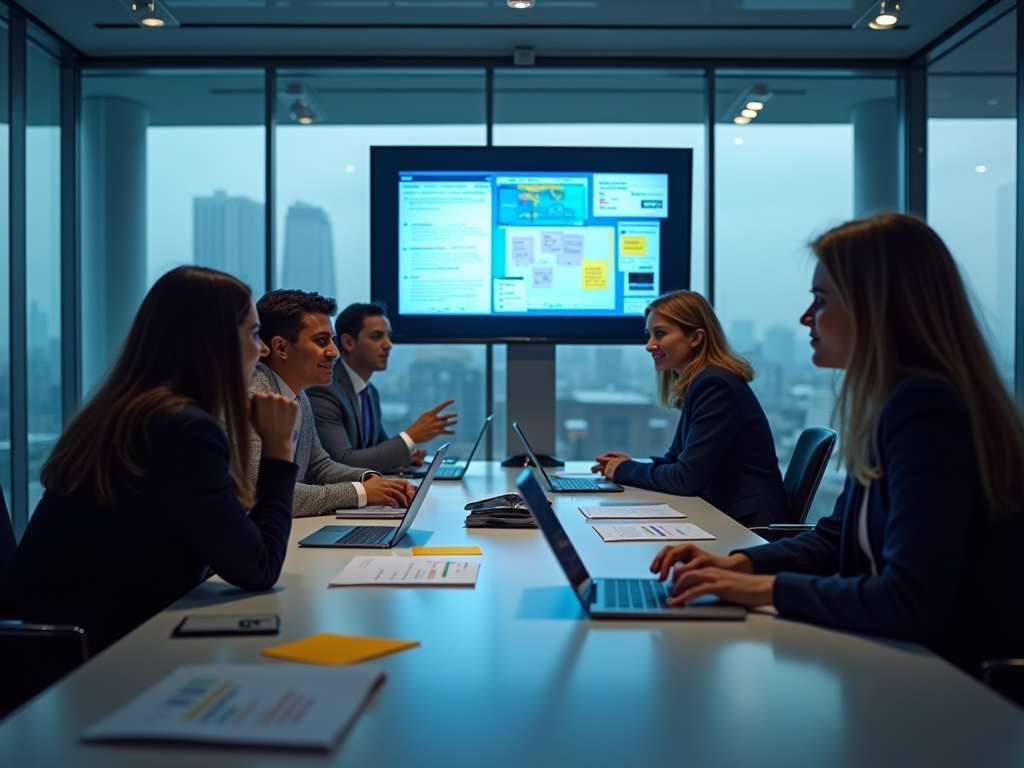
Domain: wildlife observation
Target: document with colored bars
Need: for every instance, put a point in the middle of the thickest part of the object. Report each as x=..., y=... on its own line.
x=280, y=705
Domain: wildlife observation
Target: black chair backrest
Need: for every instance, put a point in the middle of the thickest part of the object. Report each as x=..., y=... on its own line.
x=34, y=657
x=1005, y=676
x=7, y=540
x=805, y=470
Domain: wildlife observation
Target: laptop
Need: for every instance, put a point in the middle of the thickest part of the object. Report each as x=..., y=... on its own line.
x=377, y=536
x=613, y=598
x=451, y=469
x=567, y=484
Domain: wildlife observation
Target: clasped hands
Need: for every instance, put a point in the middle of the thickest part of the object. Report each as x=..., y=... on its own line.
x=695, y=573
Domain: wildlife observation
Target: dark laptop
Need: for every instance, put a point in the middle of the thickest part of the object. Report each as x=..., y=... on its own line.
x=567, y=484
x=451, y=469
x=376, y=536
x=613, y=598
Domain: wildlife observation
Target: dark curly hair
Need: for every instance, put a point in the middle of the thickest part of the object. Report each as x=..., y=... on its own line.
x=283, y=312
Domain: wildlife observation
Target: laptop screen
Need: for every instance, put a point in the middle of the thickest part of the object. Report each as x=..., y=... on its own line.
x=421, y=492
x=556, y=536
x=533, y=457
x=479, y=437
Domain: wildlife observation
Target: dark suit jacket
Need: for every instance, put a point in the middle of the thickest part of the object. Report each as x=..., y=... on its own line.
x=723, y=452
x=338, y=416
x=949, y=576
x=108, y=569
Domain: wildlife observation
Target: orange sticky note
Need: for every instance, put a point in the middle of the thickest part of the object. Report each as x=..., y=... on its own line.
x=417, y=551
x=335, y=650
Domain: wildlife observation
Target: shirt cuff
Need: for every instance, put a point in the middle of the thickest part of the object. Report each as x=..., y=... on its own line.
x=408, y=441
x=361, y=493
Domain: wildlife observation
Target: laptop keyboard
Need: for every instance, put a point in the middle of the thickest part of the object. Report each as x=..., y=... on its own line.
x=452, y=472
x=634, y=593
x=367, y=534
x=573, y=483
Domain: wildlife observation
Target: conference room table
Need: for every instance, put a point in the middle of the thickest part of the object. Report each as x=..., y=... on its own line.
x=513, y=673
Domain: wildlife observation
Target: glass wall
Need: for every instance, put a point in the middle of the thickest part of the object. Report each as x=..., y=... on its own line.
x=972, y=173
x=43, y=262
x=173, y=173
x=605, y=394
x=5, y=267
x=820, y=150
x=326, y=123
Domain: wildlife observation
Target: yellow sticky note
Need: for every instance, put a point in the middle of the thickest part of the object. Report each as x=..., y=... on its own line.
x=417, y=551
x=335, y=650
x=595, y=275
x=633, y=245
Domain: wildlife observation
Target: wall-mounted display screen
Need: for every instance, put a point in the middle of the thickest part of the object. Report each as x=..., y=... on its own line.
x=526, y=243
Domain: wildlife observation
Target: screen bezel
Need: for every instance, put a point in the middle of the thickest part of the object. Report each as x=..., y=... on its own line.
x=388, y=162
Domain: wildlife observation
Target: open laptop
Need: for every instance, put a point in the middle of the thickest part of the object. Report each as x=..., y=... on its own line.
x=567, y=484
x=377, y=536
x=451, y=469
x=613, y=598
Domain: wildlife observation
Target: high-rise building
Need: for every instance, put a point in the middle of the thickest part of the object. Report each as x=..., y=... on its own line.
x=308, y=253
x=741, y=336
x=228, y=234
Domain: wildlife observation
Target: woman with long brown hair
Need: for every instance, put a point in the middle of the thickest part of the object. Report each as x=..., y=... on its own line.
x=723, y=449
x=925, y=543
x=147, y=489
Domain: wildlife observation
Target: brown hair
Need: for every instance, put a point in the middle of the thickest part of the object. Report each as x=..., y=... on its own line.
x=183, y=348
x=691, y=311
x=911, y=315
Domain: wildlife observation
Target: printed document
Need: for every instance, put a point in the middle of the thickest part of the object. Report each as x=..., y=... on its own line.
x=272, y=705
x=648, y=512
x=366, y=570
x=652, y=532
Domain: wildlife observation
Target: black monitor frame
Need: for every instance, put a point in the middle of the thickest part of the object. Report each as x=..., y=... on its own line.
x=388, y=162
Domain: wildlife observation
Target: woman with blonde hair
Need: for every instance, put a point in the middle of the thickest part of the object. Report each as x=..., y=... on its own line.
x=147, y=490
x=723, y=449
x=925, y=543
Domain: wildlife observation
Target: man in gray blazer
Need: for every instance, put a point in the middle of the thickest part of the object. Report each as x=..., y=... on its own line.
x=347, y=411
x=296, y=328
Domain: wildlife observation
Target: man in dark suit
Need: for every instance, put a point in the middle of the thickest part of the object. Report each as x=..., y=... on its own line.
x=347, y=411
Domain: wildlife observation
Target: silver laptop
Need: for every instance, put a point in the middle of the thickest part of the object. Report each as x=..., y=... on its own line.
x=613, y=598
x=567, y=484
x=451, y=469
x=377, y=536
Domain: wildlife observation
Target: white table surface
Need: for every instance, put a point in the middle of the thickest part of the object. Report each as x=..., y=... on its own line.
x=512, y=672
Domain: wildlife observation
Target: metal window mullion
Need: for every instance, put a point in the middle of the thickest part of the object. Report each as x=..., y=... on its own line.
x=709, y=182
x=71, y=374
x=1019, y=281
x=269, y=122
x=18, y=50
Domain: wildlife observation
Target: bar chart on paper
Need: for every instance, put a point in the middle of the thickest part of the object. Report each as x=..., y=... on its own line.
x=277, y=705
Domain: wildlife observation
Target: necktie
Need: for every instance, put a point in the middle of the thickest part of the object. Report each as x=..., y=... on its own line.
x=364, y=399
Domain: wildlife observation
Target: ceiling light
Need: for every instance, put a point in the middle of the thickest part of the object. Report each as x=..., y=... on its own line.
x=151, y=21
x=758, y=105
x=887, y=16
x=301, y=113
x=741, y=120
x=981, y=168
x=144, y=5
x=520, y=3
x=748, y=113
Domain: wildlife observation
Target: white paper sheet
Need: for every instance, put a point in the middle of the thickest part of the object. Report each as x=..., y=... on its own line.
x=640, y=512
x=652, y=532
x=365, y=570
x=280, y=705
x=371, y=513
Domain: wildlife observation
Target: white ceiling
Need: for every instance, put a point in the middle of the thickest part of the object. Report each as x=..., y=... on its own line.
x=601, y=28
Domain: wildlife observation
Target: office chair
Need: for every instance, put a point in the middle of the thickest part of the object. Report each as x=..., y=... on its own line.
x=32, y=656
x=803, y=475
x=1005, y=676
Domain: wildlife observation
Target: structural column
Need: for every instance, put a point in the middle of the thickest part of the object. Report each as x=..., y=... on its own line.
x=113, y=227
x=875, y=157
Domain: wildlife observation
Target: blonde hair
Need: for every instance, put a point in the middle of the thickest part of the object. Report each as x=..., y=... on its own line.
x=691, y=311
x=911, y=315
x=183, y=348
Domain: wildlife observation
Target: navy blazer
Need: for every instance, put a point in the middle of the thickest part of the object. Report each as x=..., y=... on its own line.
x=949, y=575
x=107, y=569
x=723, y=452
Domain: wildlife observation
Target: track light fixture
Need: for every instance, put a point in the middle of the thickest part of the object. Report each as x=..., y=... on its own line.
x=887, y=16
x=150, y=13
x=520, y=4
x=301, y=112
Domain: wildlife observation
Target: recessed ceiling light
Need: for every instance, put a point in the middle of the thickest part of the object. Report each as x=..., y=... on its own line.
x=151, y=21
x=741, y=120
x=749, y=113
x=520, y=3
x=757, y=105
x=993, y=102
